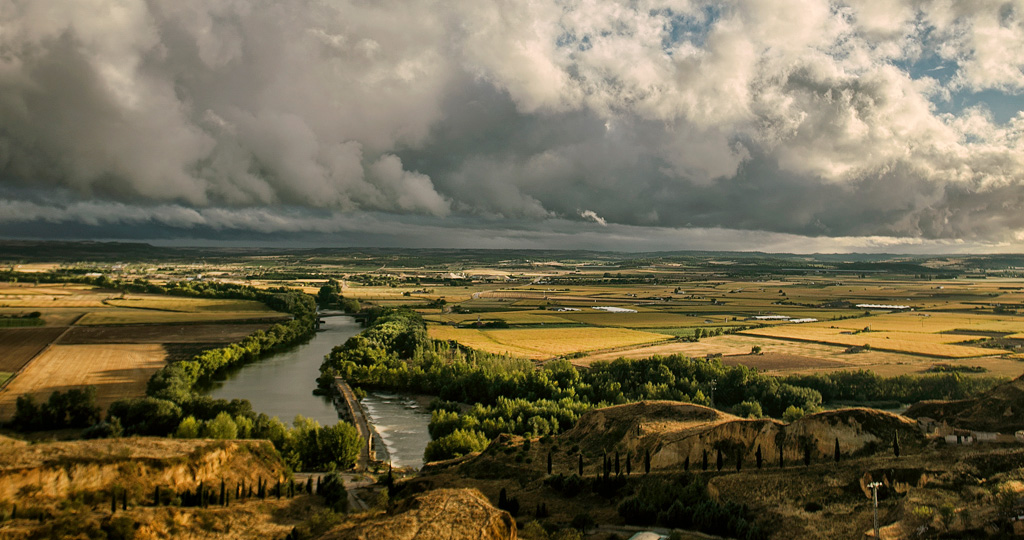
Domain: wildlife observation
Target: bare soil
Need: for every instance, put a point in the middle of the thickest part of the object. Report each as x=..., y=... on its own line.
x=19, y=345
x=170, y=333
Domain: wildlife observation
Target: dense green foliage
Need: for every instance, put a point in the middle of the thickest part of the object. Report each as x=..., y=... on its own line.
x=75, y=408
x=863, y=386
x=457, y=443
x=686, y=504
x=307, y=445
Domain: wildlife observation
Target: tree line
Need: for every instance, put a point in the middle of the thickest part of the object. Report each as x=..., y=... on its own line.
x=395, y=353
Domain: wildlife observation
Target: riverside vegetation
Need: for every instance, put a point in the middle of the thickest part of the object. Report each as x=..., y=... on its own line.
x=473, y=387
x=172, y=407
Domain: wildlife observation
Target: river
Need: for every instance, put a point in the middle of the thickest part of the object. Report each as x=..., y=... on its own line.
x=282, y=385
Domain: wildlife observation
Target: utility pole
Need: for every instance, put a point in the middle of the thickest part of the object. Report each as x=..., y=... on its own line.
x=874, y=496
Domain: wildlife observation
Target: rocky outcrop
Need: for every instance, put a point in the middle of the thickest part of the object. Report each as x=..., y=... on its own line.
x=442, y=513
x=47, y=473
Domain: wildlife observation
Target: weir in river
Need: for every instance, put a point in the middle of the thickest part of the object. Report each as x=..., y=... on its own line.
x=282, y=385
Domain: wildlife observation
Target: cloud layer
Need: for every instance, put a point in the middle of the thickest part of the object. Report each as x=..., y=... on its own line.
x=805, y=118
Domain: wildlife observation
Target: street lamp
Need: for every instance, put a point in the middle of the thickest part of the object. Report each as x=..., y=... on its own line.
x=874, y=496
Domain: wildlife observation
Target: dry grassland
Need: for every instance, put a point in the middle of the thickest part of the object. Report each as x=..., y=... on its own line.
x=540, y=343
x=117, y=371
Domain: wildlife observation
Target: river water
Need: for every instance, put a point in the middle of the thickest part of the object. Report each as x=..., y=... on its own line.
x=282, y=385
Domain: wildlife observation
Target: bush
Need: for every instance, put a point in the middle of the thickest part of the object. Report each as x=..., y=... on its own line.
x=104, y=430
x=458, y=443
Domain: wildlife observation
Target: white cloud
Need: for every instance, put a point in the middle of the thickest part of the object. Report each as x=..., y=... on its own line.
x=800, y=117
x=590, y=215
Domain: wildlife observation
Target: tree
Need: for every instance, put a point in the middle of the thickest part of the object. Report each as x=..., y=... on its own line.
x=837, y=450
x=739, y=460
x=807, y=455
x=647, y=461
x=221, y=427
x=581, y=464
x=748, y=409
x=549, y=461
x=718, y=460
x=339, y=444
x=756, y=349
x=629, y=464
x=459, y=443
x=896, y=443
x=146, y=416
x=792, y=413
x=616, y=463
x=188, y=428
x=686, y=464
x=757, y=456
x=704, y=460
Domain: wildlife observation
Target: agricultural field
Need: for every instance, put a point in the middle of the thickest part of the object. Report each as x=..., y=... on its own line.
x=117, y=371
x=108, y=339
x=19, y=345
x=187, y=305
x=163, y=333
x=544, y=343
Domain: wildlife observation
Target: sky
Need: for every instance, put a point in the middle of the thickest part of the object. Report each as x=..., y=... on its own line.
x=771, y=125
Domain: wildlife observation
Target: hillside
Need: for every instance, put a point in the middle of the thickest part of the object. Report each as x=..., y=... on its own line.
x=434, y=515
x=823, y=499
x=1000, y=409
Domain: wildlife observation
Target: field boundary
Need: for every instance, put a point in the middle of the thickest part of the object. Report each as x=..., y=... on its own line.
x=38, y=354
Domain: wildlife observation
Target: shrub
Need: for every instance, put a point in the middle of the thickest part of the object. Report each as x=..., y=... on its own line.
x=458, y=443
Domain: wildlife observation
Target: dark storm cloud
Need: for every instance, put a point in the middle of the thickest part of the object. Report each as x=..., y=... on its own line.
x=538, y=123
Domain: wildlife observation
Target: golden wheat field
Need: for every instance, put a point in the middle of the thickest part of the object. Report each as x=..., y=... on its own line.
x=877, y=340
x=539, y=343
x=117, y=372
